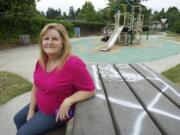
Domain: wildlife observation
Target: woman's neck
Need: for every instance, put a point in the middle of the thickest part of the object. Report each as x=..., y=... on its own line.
x=53, y=58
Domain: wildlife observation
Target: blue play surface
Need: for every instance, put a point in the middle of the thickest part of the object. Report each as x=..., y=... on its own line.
x=157, y=47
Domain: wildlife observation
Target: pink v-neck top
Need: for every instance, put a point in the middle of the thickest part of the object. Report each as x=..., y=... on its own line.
x=53, y=87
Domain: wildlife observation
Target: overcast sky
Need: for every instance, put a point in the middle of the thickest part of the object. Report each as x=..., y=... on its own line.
x=99, y=4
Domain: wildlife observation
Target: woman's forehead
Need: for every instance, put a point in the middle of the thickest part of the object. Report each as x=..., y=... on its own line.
x=52, y=32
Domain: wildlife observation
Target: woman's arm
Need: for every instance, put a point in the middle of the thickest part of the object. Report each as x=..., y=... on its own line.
x=80, y=96
x=76, y=97
x=32, y=106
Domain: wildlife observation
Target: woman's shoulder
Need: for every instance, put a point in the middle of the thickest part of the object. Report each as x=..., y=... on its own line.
x=73, y=59
x=74, y=62
x=38, y=64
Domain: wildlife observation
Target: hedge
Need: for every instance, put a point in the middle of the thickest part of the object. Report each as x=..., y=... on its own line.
x=11, y=27
x=176, y=26
x=89, y=27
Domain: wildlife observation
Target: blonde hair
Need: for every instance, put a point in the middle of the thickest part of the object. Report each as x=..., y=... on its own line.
x=66, y=49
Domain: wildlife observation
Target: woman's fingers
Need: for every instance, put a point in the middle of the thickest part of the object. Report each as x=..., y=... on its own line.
x=67, y=114
x=30, y=115
x=64, y=114
x=64, y=108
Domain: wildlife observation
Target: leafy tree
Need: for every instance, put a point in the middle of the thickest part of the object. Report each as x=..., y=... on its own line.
x=88, y=12
x=122, y=5
x=105, y=14
x=53, y=14
x=65, y=15
x=176, y=26
x=147, y=15
x=99, y=16
x=172, y=15
x=155, y=16
x=72, y=14
x=42, y=13
x=18, y=9
x=162, y=14
x=114, y=6
x=77, y=13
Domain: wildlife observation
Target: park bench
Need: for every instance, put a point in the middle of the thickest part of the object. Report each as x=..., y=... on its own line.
x=24, y=39
x=130, y=100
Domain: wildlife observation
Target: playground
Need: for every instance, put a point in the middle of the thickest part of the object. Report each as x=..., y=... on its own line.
x=156, y=47
x=124, y=60
x=87, y=49
x=124, y=43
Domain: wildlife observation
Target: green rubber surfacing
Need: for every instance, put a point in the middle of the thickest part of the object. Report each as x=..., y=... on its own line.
x=155, y=48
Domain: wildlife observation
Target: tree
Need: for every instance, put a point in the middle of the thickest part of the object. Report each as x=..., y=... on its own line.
x=99, y=16
x=155, y=16
x=147, y=15
x=122, y=5
x=17, y=17
x=19, y=9
x=77, y=13
x=172, y=15
x=162, y=14
x=105, y=14
x=65, y=15
x=72, y=14
x=53, y=14
x=88, y=12
x=112, y=9
x=176, y=26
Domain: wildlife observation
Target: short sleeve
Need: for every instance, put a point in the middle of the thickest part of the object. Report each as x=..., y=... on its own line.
x=36, y=66
x=82, y=79
x=35, y=69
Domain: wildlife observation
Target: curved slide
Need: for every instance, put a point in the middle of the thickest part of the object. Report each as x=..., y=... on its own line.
x=113, y=38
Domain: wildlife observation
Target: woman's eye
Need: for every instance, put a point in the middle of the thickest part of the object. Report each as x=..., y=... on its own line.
x=46, y=38
x=55, y=38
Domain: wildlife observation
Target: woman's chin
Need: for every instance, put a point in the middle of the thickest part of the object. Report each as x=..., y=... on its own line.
x=49, y=52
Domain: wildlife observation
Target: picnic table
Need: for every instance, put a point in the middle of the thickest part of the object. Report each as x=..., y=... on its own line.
x=130, y=99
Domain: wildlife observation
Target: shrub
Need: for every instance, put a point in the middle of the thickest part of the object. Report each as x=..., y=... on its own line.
x=176, y=26
x=12, y=27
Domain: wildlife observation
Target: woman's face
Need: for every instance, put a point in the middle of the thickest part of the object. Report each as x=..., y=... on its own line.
x=52, y=42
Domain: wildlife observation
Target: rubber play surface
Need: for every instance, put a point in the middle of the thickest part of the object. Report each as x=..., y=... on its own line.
x=156, y=47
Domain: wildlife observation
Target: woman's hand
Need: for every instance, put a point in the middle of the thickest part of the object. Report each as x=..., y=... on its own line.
x=64, y=109
x=30, y=114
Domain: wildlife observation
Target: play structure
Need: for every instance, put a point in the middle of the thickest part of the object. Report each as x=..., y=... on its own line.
x=127, y=28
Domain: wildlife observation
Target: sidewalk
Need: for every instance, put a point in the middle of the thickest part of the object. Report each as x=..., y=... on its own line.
x=21, y=60
x=164, y=64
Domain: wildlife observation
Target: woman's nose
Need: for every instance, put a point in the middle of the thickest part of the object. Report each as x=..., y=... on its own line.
x=50, y=41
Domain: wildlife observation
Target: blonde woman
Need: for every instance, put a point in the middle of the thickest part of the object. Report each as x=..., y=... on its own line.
x=60, y=80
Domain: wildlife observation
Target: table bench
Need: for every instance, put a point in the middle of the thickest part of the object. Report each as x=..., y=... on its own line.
x=24, y=39
x=130, y=100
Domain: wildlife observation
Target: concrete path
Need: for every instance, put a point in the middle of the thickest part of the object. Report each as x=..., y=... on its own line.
x=21, y=60
x=164, y=64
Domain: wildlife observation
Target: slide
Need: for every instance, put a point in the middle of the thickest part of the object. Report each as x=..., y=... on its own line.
x=113, y=38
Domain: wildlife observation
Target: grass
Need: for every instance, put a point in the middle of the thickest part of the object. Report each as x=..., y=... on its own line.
x=174, y=36
x=9, y=43
x=150, y=33
x=14, y=42
x=12, y=85
x=173, y=74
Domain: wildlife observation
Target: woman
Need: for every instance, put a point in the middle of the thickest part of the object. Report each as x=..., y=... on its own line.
x=60, y=80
